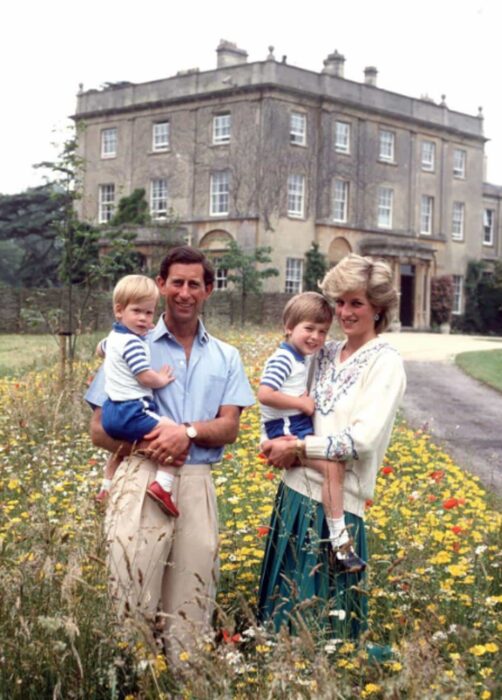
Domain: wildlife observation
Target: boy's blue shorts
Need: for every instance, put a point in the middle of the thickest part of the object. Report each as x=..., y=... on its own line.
x=130, y=420
x=299, y=425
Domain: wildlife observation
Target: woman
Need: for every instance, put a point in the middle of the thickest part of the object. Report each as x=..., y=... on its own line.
x=358, y=385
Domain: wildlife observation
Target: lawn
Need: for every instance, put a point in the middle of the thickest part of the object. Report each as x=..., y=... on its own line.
x=486, y=366
x=433, y=584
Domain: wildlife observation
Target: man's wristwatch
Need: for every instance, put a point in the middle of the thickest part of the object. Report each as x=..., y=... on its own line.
x=190, y=431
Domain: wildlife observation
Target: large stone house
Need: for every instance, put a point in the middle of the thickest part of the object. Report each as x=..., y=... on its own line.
x=270, y=154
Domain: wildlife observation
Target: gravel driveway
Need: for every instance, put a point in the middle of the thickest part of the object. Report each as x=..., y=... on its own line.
x=463, y=415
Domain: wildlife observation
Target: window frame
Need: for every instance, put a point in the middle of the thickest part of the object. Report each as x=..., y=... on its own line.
x=382, y=156
x=458, y=235
x=296, y=195
x=157, y=213
x=105, y=142
x=428, y=165
x=426, y=216
x=459, y=169
x=106, y=207
x=218, y=195
x=293, y=276
x=383, y=207
x=220, y=274
x=490, y=226
x=342, y=146
x=342, y=202
x=458, y=288
x=164, y=145
x=298, y=137
x=222, y=132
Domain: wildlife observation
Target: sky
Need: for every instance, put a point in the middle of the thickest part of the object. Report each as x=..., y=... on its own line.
x=47, y=48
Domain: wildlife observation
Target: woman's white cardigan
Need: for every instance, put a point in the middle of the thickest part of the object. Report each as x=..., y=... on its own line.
x=356, y=403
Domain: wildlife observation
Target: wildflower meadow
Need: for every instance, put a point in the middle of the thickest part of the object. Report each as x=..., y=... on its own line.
x=433, y=577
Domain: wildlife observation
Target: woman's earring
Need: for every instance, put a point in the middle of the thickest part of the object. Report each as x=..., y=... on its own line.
x=376, y=317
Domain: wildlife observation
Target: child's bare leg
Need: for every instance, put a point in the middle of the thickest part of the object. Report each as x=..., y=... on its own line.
x=332, y=499
x=111, y=467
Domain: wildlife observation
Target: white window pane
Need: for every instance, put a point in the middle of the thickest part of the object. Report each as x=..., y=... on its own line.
x=457, y=224
x=106, y=203
x=458, y=284
x=342, y=137
x=488, y=226
x=294, y=275
x=428, y=155
x=221, y=128
x=298, y=128
x=385, y=204
x=386, y=145
x=160, y=136
x=296, y=189
x=220, y=187
x=340, y=200
x=459, y=159
x=109, y=143
x=426, y=211
x=158, y=198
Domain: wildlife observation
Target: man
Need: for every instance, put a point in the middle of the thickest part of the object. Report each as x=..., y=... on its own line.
x=158, y=564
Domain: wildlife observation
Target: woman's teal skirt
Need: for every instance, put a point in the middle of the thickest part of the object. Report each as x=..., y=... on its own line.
x=298, y=586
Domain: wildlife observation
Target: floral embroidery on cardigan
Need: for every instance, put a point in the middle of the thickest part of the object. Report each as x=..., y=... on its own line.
x=341, y=447
x=332, y=380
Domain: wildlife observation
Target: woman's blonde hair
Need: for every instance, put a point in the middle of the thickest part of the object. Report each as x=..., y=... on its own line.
x=133, y=289
x=374, y=277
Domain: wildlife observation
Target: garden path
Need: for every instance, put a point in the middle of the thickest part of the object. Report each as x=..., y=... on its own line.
x=463, y=415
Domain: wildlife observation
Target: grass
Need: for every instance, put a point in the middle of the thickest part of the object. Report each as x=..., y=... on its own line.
x=486, y=366
x=433, y=586
x=22, y=353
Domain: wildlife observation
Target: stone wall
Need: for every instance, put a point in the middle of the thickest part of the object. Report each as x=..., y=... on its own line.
x=46, y=310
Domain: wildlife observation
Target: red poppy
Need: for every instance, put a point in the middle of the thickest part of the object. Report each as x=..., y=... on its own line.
x=92, y=462
x=270, y=476
x=387, y=470
x=431, y=498
x=456, y=529
x=228, y=455
x=263, y=530
x=368, y=503
x=262, y=457
x=450, y=503
x=437, y=475
x=231, y=638
x=456, y=546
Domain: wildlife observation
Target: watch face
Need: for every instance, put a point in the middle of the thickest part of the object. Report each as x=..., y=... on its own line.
x=191, y=432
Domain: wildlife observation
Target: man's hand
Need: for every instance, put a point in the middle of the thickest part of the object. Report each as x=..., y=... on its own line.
x=167, y=444
x=281, y=452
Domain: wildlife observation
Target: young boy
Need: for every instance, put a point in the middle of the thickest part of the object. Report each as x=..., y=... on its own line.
x=286, y=407
x=130, y=412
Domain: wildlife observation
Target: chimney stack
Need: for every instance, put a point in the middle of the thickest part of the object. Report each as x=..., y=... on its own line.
x=229, y=54
x=333, y=64
x=370, y=75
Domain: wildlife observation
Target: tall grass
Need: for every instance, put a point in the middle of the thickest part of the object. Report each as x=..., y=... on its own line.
x=433, y=584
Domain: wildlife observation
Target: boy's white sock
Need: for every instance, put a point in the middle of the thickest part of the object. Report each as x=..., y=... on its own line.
x=106, y=484
x=338, y=534
x=165, y=480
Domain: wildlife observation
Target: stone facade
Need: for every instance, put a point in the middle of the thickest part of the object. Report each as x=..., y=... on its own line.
x=271, y=154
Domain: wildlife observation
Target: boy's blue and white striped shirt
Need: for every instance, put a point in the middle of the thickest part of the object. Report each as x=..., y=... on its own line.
x=127, y=354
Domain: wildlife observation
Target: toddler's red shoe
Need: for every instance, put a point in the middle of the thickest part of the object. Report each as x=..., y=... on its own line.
x=163, y=499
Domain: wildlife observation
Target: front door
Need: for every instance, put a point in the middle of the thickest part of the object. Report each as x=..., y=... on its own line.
x=407, y=296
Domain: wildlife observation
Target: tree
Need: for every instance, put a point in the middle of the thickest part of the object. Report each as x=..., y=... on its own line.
x=132, y=209
x=315, y=268
x=245, y=272
x=29, y=237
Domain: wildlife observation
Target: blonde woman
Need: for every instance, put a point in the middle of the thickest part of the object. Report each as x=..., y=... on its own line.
x=357, y=387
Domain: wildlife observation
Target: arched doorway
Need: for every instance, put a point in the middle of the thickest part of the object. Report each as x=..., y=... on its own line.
x=338, y=249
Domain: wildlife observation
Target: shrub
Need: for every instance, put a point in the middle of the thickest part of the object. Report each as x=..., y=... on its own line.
x=441, y=299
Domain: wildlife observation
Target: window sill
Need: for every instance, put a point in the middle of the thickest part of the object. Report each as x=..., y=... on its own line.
x=297, y=217
x=159, y=151
x=108, y=157
x=488, y=245
x=387, y=162
x=340, y=152
x=296, y=143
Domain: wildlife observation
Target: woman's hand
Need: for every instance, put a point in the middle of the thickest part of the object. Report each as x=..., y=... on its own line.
x=281, y=452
